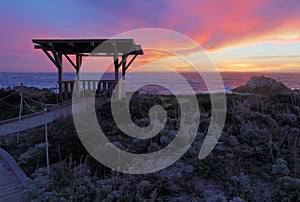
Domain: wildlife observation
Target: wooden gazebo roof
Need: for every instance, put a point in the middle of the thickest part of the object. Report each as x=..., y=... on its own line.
x=86, y=46
x=118, y=49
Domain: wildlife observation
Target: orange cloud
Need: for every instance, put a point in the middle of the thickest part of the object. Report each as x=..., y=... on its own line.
x=216, y=25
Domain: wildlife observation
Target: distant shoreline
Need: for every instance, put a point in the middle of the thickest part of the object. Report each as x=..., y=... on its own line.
x=221, y=72
x=231, y=80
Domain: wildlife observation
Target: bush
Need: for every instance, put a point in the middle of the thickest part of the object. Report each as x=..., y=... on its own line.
x=65, y=183
x=289, y=189
x=237, y=199
x=211, y=196
x=280, y=168
x=8, y=141
x=241, y=185
x=33, y=156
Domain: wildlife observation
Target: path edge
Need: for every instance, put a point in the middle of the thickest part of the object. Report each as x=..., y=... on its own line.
x=17, y=171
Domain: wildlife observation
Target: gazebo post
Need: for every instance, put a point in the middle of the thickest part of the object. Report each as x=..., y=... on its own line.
x=77, y=67
x=122, y=82
x=116, y=69
x=116, y=62
x=123, y=67
x=60, y=75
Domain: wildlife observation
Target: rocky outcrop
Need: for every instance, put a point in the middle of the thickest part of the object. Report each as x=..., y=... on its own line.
x=296, y=91
x=262, y=85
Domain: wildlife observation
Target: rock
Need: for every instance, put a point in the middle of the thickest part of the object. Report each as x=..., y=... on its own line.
x=296, y=91
x=262, y=85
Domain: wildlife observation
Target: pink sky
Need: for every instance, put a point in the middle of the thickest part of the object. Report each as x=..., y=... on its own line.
x=238, y=35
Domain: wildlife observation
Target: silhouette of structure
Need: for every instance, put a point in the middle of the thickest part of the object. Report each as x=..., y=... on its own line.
x=118, y=49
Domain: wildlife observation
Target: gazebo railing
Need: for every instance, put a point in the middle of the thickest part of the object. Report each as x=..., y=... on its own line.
x=100, y=86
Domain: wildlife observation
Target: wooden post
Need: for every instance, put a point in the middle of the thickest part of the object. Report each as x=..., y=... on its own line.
x=83, y=84
x=56, y=88
x=123, y=67
x=78, y=64
x=88, y=85
x=94, y=86
x=71, y=89
x=20, y=114
x=47, y=145
x=66, y=90
x=116, y=62
x=98, y=88
x=60, y=85
x=116, y=69
x=60, y=75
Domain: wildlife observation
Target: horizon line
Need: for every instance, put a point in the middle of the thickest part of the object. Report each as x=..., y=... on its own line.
x=282, y=72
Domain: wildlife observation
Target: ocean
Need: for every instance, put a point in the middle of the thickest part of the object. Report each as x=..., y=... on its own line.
x=230, y=80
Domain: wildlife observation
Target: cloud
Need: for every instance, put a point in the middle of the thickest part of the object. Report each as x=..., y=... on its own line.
x=214, y=25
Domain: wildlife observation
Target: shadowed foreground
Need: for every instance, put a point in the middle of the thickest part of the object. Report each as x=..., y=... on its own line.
x=11, y=179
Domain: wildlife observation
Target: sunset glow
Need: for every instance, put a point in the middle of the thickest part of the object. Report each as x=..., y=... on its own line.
x=240, y=36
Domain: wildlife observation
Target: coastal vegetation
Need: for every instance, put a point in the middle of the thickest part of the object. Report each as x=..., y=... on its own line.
x=34, y=100
x=256, y=159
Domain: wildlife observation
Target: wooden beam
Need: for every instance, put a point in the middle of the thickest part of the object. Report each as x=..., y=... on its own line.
x=78, y=65
x=60, y=85
x=132, y=59
x=123, y=66
x=69, y=59
x=40, y=47
x=57, y=57
x=116, y=61
x=71, y=44
x=51, y=58
x=92, y=44
x=78, y=62
x=116, y=69
x=124, y=57
x=96, y=55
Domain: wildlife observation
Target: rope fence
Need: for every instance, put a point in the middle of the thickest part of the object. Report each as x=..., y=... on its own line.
x=28, y=106
x=8, y=95
x=28, y=101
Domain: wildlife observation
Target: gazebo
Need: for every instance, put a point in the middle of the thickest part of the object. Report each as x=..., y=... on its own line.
x=120, y=50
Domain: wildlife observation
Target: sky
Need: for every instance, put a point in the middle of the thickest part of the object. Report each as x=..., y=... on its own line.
x=256, y=35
